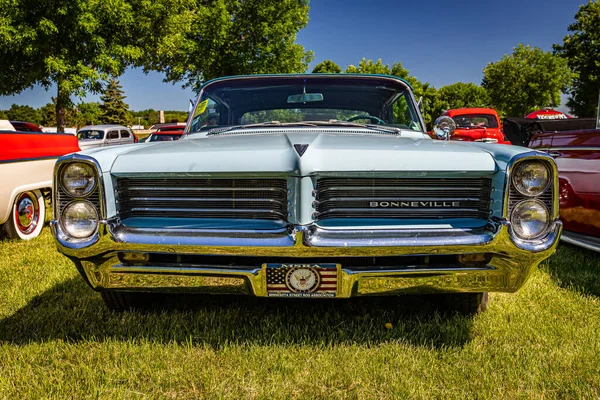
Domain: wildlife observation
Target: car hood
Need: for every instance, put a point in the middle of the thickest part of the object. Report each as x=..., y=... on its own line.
x=279, y=151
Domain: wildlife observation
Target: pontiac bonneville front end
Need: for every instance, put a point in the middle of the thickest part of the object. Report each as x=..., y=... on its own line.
x=307, y=186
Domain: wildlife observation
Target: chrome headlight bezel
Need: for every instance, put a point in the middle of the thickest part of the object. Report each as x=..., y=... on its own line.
x=61, y=197
x=548, y=197
x=92, y=211
x=518, y=181
x=528, y=205
x=92, y=179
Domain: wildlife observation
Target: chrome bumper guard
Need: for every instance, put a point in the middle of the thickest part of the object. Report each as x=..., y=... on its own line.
x=512, y=260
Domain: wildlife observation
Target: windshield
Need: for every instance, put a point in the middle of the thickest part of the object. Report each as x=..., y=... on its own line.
x=163, y=137
x=364, y=100
x=91, y=134
x=476, y=121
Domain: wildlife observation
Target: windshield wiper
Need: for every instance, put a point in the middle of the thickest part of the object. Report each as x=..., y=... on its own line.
x=331, y=122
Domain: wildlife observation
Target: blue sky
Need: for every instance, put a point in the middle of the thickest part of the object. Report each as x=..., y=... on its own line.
x=439, y=41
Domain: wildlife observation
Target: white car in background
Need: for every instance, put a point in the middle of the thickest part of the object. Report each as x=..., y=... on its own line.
x=104, y=135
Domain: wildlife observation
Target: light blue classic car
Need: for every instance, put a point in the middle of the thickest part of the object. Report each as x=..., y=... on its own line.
x=307, y=186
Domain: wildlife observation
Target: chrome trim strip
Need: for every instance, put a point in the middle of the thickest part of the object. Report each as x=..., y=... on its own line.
x=575, y=148
x=580, y=240
x=299, y=241
x=205, y=189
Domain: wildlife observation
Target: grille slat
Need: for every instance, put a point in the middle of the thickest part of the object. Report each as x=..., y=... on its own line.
x=202, y=198
x=403, y=198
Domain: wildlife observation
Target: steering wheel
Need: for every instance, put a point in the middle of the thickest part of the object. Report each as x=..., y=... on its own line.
x=372, y=118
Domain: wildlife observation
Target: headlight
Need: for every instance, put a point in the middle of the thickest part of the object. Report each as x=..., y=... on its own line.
x=530, y=219
x=78, y=179
x=531, y=178
x=80, y=219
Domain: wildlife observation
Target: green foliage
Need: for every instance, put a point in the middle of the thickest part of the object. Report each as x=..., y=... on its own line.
x=526, y=80
x=113, y=107
x=23, y=113
x=580, y=49
x=73, y=44
x=3, y=115
x=463, y=95
x=327, y=67
x=87, y=114
x=48, y=114
x=431, y=107
x=208, y=39
x=150, y=117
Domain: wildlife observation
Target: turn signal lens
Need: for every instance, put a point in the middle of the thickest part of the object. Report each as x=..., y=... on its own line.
x=531, y=178
x=78, y=179
x=80, y=219
x=530, y=219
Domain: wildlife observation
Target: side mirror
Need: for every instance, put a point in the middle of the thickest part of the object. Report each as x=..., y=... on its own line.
x=444, y=127
x=191, y=106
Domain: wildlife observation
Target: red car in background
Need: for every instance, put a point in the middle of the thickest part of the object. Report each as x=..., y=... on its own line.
x=26, y=166
x=25, y=126
x=166, y=133
x=575, y=145
x=477, y=125
x=547, y=113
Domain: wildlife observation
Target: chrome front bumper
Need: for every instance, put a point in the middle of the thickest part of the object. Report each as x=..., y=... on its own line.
x=510, y=264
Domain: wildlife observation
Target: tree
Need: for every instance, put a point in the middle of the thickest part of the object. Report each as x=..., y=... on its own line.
x=114, y=109
x=227, y=37
x=526, y=80
x=461, y=95
x=581, y=49
x=431, y=108
x=48, y=114
x=78, y=44
x=23, y=113
x=3, y=115
x=327, y=67
x=87, y=114
x=73, y=44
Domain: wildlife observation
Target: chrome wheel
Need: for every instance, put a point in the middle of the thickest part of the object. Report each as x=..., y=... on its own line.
x=27, y=216
x=27, y=213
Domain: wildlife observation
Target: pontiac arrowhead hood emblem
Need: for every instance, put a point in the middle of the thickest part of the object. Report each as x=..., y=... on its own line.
x=300, y=149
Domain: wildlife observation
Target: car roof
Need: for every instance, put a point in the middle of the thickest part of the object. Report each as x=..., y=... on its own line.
x=463, y=111
x=308, y=76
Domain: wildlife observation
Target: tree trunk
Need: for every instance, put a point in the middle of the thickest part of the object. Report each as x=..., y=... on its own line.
x=62, y=100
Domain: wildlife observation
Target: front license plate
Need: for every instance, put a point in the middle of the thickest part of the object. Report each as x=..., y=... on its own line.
x=302, y=280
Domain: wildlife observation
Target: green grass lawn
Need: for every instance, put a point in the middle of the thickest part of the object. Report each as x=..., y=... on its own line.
x=57, y=340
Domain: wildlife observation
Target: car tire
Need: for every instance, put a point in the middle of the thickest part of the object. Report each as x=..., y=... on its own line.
x=465, y=303
x=126, y=301
x=27, y=216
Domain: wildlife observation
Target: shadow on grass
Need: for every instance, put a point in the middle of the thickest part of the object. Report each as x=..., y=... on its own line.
x=73, y=312
x=575, y=268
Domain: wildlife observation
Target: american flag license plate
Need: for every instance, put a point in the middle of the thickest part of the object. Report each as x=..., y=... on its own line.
x=302, y=280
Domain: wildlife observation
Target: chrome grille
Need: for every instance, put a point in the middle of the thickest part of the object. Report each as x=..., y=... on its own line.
x=403, y=198
x=202, y=198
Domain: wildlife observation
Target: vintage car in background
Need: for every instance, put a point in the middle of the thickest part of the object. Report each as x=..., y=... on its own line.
x=276, y=191
x=104, y=135
x=26, y=165
x=477, y=125
x=575, y=145
x=166, y=133
x=22, y=126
